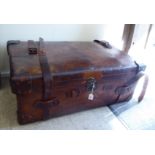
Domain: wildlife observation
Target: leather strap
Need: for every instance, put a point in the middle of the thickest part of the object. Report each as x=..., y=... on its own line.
x=47, y=77
x=46, y=74
x=130, y=85
x=145, y=84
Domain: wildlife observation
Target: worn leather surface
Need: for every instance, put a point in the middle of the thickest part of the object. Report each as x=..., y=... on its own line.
x=72, y=64
x=68, y=57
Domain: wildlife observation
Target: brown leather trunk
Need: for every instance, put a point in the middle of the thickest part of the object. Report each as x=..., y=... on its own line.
x=56, y=78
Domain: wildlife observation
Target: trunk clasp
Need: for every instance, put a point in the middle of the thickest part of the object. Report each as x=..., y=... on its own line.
x=91, y=85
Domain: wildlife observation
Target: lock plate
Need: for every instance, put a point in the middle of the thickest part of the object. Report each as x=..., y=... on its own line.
x=91, y=85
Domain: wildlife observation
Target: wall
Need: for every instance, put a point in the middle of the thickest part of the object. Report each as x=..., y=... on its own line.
x=70, y=32
x=138, y=41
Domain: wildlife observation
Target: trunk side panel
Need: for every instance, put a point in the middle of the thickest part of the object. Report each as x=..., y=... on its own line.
x=72, y=96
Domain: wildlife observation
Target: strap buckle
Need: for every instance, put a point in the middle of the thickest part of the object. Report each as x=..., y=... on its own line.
x=32, y=47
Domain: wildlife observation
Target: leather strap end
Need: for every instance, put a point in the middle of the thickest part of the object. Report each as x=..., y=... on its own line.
x=142, y=94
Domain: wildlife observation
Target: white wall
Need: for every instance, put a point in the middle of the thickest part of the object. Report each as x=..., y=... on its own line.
x=51, y=32
x=54, y=32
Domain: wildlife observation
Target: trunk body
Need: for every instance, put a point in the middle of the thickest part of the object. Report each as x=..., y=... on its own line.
x=77, y=69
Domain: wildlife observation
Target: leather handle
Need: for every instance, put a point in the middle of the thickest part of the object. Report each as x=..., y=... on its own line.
x=145, y=84
x=103, y=43
x=130, y=85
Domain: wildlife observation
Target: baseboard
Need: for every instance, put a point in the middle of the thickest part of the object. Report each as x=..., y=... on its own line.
x=5, y=74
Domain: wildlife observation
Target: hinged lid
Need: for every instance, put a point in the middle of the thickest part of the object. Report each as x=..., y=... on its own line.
x=68, y=57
